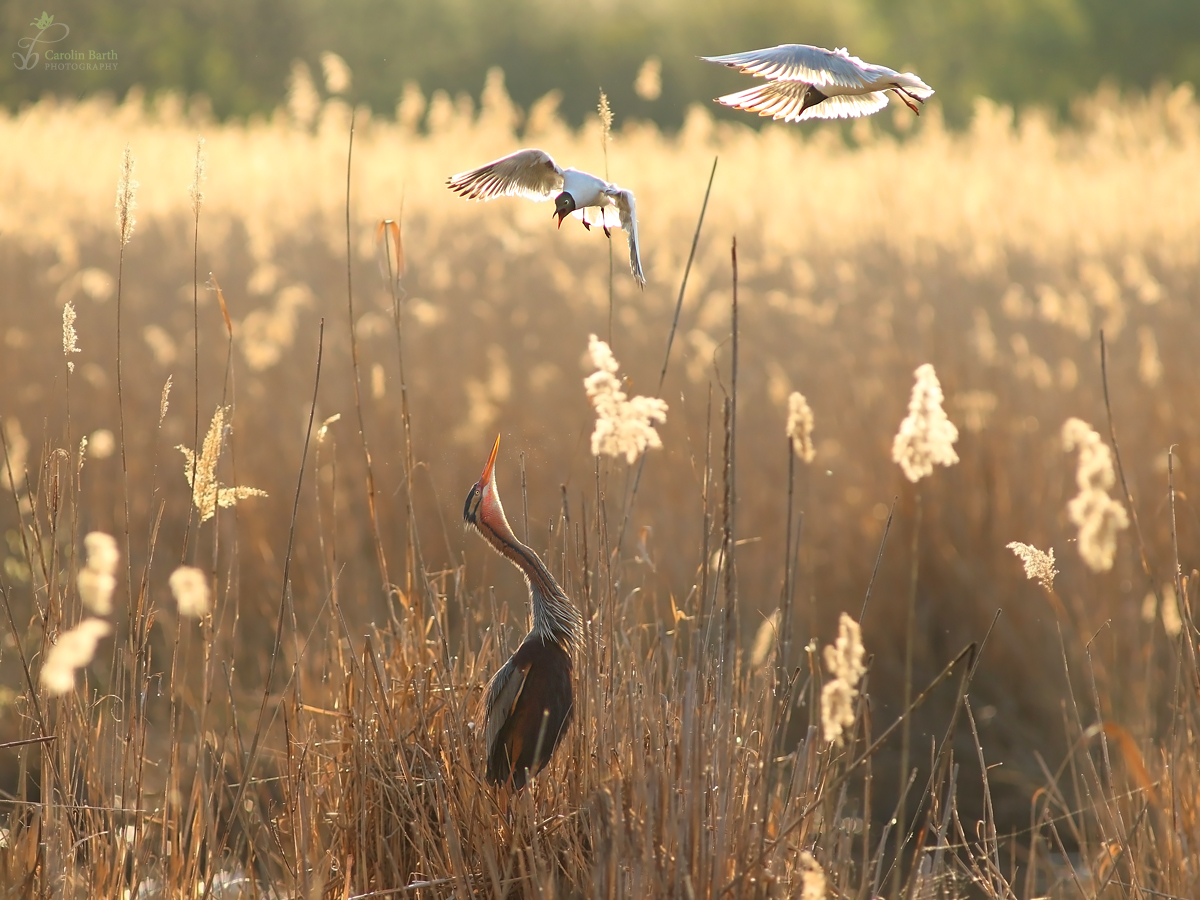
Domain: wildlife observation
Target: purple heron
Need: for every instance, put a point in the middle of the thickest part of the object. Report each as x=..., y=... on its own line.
x=529, y=700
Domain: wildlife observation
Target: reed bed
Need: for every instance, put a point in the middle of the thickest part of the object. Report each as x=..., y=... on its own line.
x=336, y=385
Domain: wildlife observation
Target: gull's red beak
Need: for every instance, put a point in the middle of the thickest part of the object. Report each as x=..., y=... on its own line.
x=491, y=463
x=561, y=215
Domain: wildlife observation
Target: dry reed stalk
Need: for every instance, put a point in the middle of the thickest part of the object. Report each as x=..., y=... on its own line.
x=687, y=269
x=380, y=556
x=606, y=119
x=251, y=756
x=196, y=195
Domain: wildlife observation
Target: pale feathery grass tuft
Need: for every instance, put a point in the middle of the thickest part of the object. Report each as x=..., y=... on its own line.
x=126, y=197
x=1098, y=516
x=606, y=117
x=97, y=579
x=189, y=586
x=926, y=436
x=800, y=427
x=623, y=426
x=1039, y=566
x=324, y=429
x=165, y=401
x=83, y=445
x=12, y=475
x=195, y=194
x=74, y=650
x=764, y=640
x=70, y=337
x=207, y=493
x=844, y=659
x=812, y=878
x=337, y=74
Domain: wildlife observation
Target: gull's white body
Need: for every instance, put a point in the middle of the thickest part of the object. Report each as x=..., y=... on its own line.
x=533, y=174
x=805, y=82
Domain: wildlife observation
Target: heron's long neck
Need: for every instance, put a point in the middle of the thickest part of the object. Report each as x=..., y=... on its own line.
x=555, y=617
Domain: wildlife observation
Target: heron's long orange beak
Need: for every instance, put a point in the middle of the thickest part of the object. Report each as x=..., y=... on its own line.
x=487, y=470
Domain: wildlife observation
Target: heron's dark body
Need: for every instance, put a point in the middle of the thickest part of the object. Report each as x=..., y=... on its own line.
x=538, y=718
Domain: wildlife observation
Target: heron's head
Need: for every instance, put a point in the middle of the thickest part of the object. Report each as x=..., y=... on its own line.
x=564, y=205
x=482, y=509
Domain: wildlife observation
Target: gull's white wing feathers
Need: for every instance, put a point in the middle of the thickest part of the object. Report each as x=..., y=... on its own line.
x=527, y=173
x=801, y=62
x=627, y=209
x=785, y=100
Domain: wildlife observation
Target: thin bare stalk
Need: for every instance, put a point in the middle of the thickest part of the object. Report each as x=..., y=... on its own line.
x=285, y=587
x=380, y=556
x=637, y=478
x=906, y=735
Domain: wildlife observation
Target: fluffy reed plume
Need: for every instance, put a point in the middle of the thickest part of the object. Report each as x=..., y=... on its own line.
x=302, y=98
x=926, y=436
x=1098, y=516
x=97, y=579
x=74, y=650
x=164, y=402
x=12, y=473
x=764, y=641
x=800, y=427
x=126, y=197
x=648, y=85
x=843, y=658
x=102, y=444
x=1039, y=566
x=189, y=586
x=70, y=338
x=1171, y=618
x=337, y=73
x=207, y=493
x=1150, y=369
x=812, y=878
x=623, y=426
x=194, y=193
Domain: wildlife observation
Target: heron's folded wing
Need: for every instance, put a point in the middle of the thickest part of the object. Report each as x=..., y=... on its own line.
x=785, y=100
x=527, y=173
x=798, y=62
x=502, y=694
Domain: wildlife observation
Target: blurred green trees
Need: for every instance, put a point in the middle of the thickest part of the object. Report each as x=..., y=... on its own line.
x=238, y=53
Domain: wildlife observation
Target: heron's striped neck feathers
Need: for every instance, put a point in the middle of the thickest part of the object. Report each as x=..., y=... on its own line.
x=555, y=617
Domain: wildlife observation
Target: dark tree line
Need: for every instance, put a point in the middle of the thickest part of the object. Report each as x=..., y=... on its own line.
x=238, y=53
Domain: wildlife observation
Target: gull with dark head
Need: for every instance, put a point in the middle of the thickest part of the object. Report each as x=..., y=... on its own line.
x=805, y=82
x=533, y=174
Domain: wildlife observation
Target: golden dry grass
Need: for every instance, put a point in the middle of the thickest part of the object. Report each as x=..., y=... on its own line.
x=996, y=255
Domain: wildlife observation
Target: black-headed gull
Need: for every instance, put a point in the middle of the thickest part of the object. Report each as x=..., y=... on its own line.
x=805, y=82
x=534, y=174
